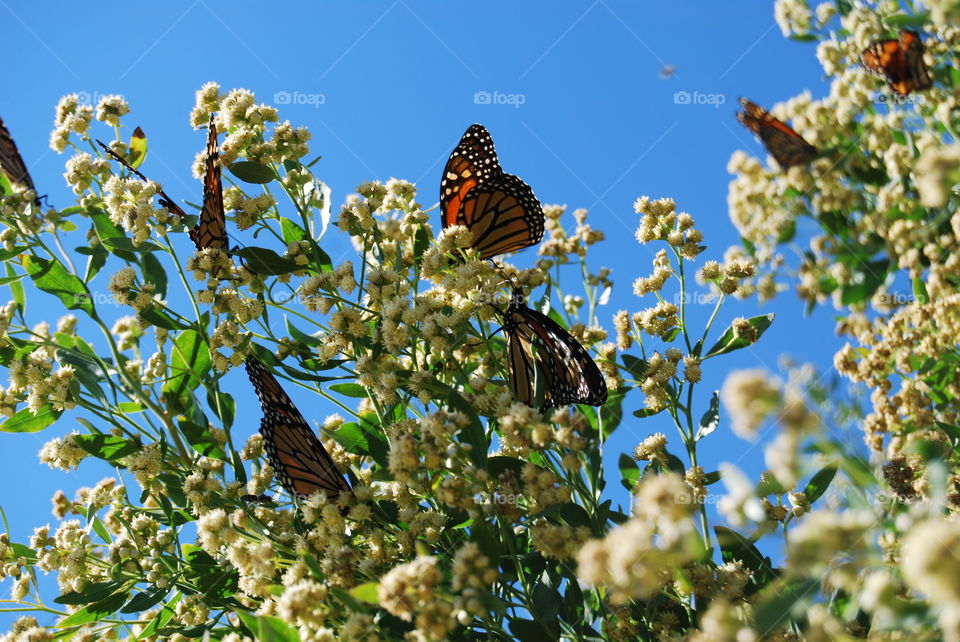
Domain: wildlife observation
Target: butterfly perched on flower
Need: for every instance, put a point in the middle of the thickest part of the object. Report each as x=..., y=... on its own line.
x=498, y=208
x=538, y=346
x=11, y=163
x=782, y=141
x=211, y=230
x=899, y=62
x=299, y=460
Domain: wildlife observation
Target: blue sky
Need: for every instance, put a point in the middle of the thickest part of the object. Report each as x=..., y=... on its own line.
x=580, y=112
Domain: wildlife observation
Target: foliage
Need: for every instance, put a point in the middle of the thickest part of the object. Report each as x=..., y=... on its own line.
x=472, y=516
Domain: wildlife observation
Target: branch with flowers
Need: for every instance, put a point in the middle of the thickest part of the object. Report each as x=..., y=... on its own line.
x=472, y=515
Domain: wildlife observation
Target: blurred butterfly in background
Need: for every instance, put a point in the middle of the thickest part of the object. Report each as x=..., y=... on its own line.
x=12, y=163
x=299, y=460
x=899, y=62
x=498, y=208
x=538, y=346
x=782, y=141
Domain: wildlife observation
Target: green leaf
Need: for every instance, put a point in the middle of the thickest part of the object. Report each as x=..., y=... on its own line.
x=366, y=592
x=154, y=273
x=96, y=259
x=711, y=418
x=499, y=464
x=734, y=546
x=144, y=600
x=302, y=337
x=914, y=20
x=107, y=447
x=200, y=438
x=273, y=629
x=130, y=407
x=354, y=390
x=91, y=593
x=52, y=277
x=730, y=342
x=138, y=148
x=16, y=288
x=250, y=172
x=546, y=602
x=629, y=472
x=223, y=406
x=574, y=514
x=803, y=37
x=266, y=262
x=291, y=232
x=775, y=610
x=645, y=412
x=158, y=317
x=530, y=631
x=362, y=441
x=27, y=421
x=819, y=483
x=164, y=616
x=873, y=274
x=107, y=231
x=189, y=362
x=920, y=291
x=77, y=618
x=123, y=245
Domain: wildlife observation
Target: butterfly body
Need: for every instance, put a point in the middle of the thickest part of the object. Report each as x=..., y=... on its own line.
x=536, y=344
x=211, y=230
x=786, y=146
x=499, y=209
x=899, y=62
x=299, y=460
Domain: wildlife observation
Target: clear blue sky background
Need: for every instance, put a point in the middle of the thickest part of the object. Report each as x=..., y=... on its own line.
x=598, y=127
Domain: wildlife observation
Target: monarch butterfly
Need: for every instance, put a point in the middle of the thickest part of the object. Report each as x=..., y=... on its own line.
x=787, y=146
x=536, y=343
x=211, y=230
x=299, y=460
x=11, y=162
x=899, y=62
x=498, y=208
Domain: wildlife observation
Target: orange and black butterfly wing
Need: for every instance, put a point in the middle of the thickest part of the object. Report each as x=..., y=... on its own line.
x=899, y=62
x=537, y=345
x=11, y=163
x=499, y=209
x=472, y=162
x=503, y=214
x=211, y=230
x=912, y=46
x=299, y=460
x=783, y=142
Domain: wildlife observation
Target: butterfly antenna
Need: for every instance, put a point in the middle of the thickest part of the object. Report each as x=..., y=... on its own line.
x=163, y=199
